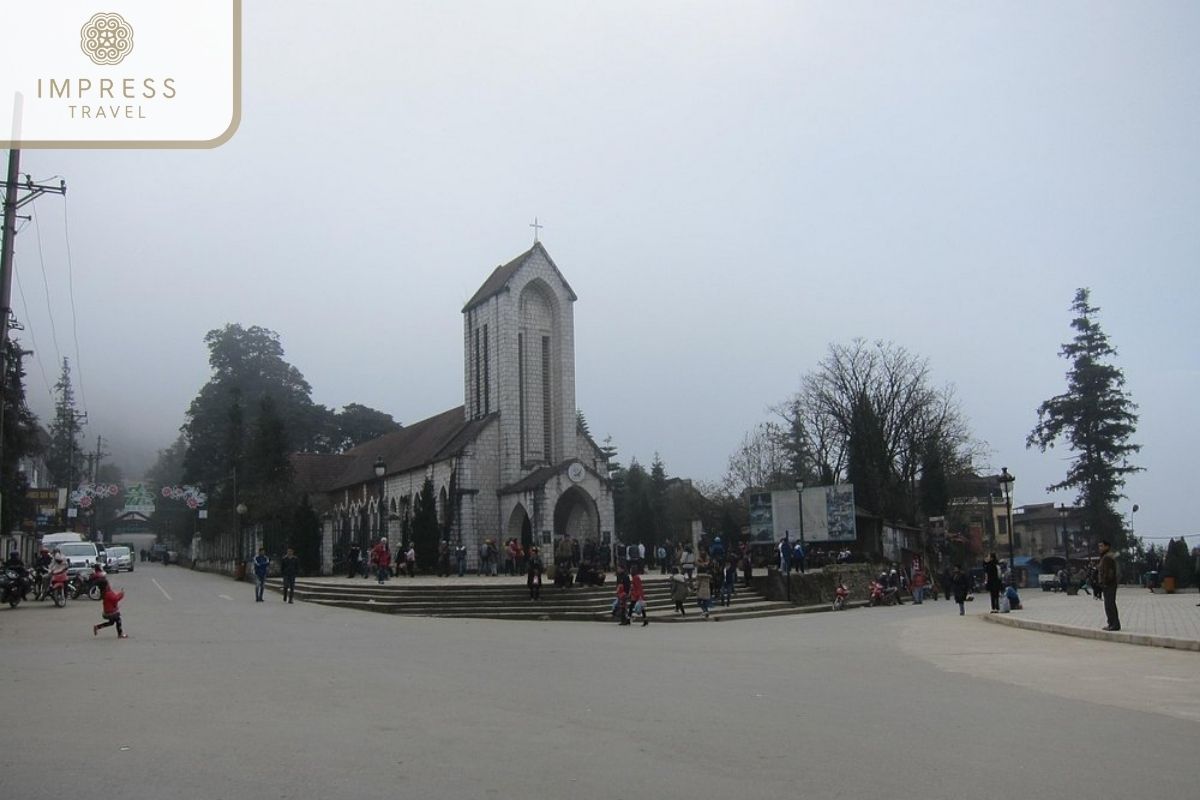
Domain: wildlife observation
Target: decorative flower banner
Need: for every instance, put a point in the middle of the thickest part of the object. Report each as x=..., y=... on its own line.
x=187, y=494
x=88, y=493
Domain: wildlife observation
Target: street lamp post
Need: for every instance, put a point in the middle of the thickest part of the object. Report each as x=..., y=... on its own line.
x=380, y=471
x=1006, y=480
x=1062, y=516
x=241, y=541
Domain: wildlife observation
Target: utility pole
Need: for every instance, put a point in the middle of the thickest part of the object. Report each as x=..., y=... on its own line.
x=12, y=202
x=98, y=457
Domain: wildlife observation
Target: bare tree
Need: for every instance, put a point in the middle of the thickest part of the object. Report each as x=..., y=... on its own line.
x=761, y=460
x=910, y=419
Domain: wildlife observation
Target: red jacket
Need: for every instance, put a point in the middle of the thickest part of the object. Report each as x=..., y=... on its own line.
x=380, y=556
x=111, y=599
x=637, y=592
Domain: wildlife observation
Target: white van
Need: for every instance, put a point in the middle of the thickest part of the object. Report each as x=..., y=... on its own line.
x=81, y=556
x=53, y=540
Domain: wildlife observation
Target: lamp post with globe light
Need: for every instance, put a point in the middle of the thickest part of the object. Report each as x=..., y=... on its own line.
x=1006, y=481
x=380, y=471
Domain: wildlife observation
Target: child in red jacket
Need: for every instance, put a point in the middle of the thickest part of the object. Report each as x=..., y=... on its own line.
x=112, y=613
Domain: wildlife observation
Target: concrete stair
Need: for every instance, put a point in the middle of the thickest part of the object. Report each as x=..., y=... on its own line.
x=508, y=598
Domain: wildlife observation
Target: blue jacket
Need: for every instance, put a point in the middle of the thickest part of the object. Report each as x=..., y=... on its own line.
x=260, y=566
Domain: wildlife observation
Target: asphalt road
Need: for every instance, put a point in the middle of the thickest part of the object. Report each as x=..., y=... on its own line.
x=216, y=696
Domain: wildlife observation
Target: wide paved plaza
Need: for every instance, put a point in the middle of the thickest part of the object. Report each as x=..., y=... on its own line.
x=216, y=696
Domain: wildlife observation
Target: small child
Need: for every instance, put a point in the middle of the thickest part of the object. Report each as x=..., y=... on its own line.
x=112, y=613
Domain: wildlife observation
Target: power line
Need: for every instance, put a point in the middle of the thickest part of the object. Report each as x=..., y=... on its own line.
x=74, y=316
x=33, y=338
x=37, y=229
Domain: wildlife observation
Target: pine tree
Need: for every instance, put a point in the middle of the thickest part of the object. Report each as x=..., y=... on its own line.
x=20, y=439
x=425, y=532
x=267, y=478
x=65, y=459
x=1097, y=418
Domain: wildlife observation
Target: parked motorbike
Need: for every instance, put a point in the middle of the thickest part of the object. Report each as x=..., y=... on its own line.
x=14, y=586
x=882, y=595
x=840, y=595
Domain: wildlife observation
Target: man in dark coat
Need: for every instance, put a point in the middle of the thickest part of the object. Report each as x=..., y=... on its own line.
x=993, y=583
x=960, y=584
x=1108, y=586
x=289, y=569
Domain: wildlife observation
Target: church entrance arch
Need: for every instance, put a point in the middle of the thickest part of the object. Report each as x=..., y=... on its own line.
x=576, y=515
x=520, y=528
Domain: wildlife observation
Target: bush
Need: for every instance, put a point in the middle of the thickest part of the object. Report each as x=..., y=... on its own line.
x=1178, y=563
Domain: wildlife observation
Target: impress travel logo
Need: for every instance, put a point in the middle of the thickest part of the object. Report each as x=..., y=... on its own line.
x=78, y=76
x=106, y=38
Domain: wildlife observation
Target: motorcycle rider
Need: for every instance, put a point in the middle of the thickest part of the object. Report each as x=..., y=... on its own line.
x=41, y=566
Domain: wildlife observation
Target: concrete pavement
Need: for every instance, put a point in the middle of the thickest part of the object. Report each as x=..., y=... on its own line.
x=216, y=696
x=1156, y=619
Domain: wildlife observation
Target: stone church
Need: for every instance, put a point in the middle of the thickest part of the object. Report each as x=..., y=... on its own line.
x=511, y=462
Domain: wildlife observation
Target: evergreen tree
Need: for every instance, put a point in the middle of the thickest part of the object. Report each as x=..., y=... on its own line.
x=425, y=532
x=1178, y=563
x=1097, y=418
x=934, y=487
x=658, y=502
x=65, y=459
x=268, y=473
x=306, y=537
x=868, y=465
x=247, y=365
x=616, y=474
x=20, y=439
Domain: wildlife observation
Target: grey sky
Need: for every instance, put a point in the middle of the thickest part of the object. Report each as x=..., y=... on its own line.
x=727, y=187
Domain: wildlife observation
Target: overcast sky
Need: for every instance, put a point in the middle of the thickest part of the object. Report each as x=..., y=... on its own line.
x=727, y=187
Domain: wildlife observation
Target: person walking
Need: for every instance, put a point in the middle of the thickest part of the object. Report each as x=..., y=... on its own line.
x=460, y=555
x=704, y=591
x=381, y=560
x=261, y=562
x=637, y=594
x=352, y=561
x=687, y=562
x=960, y=584
x=289, y=568
x=443, y=559
x=679, y=591
x=918, y=586
x=624, y=587
x=728, y=581
x=410, y=560
x=991, y=568
x=533, y=574
x=1108, y=581
x=111, y=610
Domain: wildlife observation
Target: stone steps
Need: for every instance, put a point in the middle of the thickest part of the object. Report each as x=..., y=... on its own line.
x=510, y=600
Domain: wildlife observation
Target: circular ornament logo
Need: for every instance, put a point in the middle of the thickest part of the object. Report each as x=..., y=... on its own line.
x=106, y=38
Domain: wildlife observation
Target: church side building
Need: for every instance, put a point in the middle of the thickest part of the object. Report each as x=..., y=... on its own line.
x=511, y=462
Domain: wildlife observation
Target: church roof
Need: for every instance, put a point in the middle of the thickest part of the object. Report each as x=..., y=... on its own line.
x=416, y=445
x=498, y=280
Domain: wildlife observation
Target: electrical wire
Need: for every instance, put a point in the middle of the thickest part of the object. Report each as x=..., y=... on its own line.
x=37, y=229
x=37, y=353
x=74, y=316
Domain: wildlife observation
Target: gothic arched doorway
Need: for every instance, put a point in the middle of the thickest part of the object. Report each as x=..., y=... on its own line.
x=576, y=515
x=520, y=528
